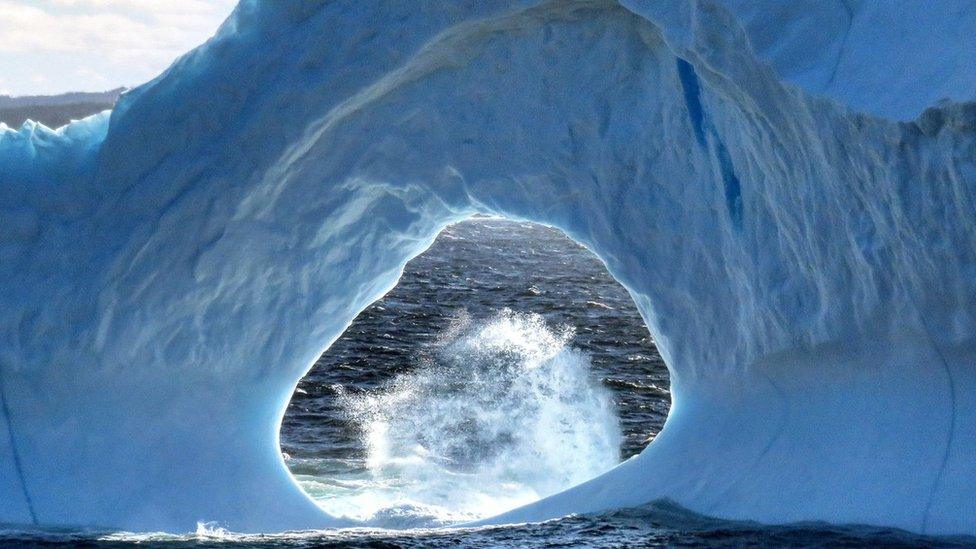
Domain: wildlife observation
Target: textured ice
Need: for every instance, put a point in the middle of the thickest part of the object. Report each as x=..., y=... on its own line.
x=780, y=187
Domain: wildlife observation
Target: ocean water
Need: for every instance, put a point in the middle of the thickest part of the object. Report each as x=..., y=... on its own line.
x=659, y=524
x=506, y=365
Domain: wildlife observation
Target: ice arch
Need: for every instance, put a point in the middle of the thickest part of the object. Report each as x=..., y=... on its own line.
x=806, y=268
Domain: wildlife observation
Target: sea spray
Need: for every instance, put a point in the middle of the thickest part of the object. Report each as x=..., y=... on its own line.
x=499, y=413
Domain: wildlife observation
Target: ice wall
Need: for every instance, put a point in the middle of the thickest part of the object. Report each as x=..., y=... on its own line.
x=804, y=261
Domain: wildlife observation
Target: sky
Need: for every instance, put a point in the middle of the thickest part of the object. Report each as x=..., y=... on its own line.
x=55, y=46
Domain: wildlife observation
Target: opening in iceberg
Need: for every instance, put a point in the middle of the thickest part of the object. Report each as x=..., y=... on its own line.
x=506, y=365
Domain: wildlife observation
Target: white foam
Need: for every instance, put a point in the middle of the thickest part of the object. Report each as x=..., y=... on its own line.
x=504, y=412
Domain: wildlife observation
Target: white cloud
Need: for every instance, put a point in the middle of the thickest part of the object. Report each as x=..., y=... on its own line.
x=61, y=45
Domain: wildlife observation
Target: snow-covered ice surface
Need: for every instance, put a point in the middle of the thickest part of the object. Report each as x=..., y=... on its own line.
x=778, y=188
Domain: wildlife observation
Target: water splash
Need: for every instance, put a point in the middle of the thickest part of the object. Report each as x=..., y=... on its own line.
x=501, y=413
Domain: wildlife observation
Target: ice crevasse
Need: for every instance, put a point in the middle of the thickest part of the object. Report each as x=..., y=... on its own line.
x=788, y=190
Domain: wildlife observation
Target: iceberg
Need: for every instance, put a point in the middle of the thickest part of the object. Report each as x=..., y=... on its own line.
x=788, y=191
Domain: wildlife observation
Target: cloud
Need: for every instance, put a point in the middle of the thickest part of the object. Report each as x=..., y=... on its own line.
x=108, y=25
x=103, y=40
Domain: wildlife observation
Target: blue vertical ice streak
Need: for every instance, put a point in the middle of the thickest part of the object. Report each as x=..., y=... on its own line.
x=733, y=187
x=692, y=94
x=18, y=467
x=691, y=90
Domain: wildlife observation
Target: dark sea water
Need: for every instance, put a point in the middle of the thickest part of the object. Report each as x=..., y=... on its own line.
x=655, y=525
x=477, y=269
x=506, y=365
x=520, y=290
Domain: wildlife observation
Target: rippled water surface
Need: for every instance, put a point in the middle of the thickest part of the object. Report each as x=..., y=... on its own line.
x=506, y=365
x=658, y=524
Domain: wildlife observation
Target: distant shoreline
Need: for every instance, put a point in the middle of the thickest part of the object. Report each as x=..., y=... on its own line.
x=55, y=110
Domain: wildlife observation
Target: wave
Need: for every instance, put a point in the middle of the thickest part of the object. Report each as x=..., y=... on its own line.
x=500, y=413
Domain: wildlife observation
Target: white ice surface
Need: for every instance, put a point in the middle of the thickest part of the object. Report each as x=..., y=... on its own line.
x=893, y=58
x=805, y=262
